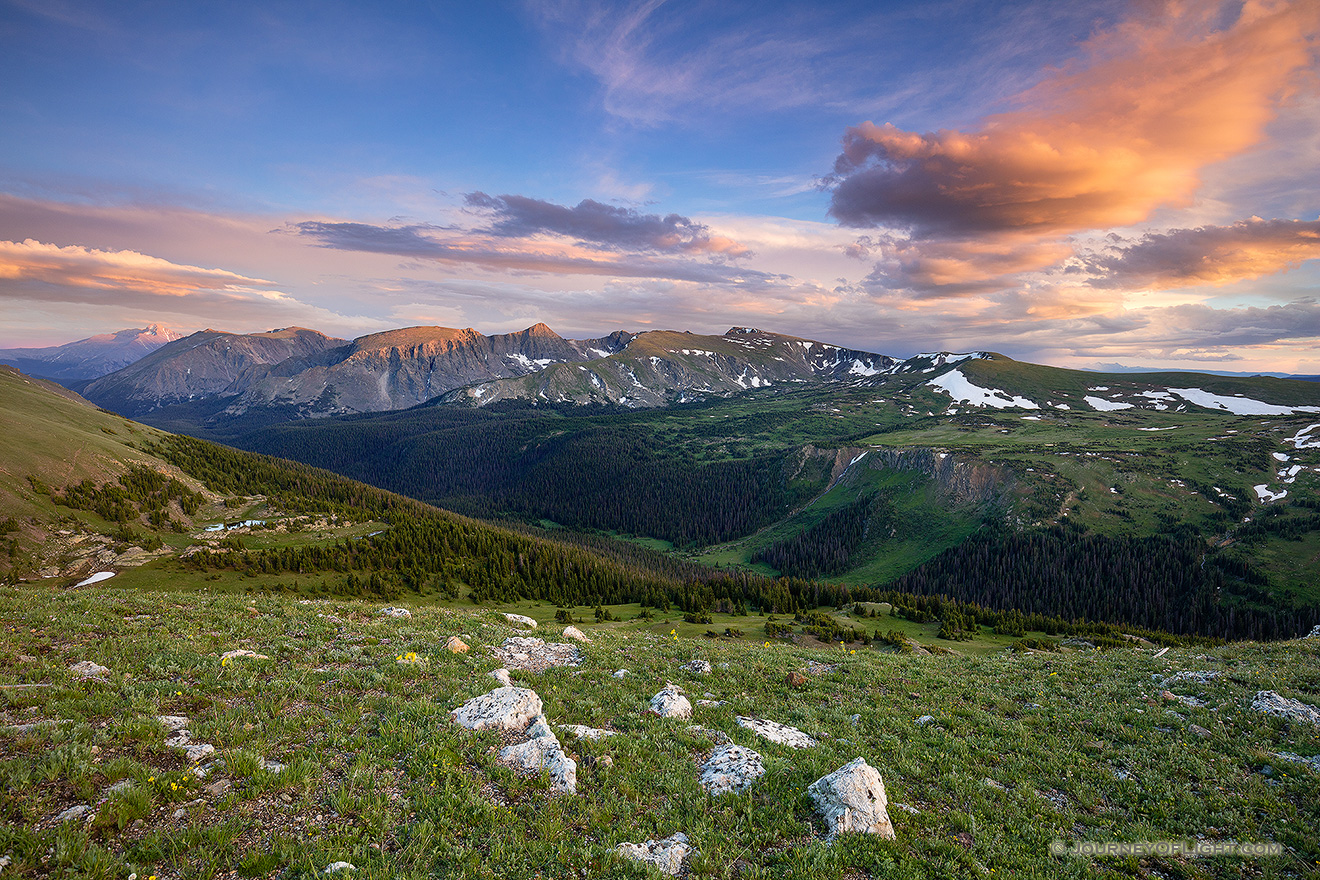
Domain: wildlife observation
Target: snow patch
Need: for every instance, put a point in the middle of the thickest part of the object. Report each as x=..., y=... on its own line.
x=1303, y=439
x=1102, y=405
x=958, y=387
x=1239, y=406
x=1280, y=456
x=859, y=368
x=1266, y=495
x=96, y=578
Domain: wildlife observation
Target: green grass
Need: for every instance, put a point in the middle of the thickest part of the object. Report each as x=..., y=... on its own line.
x=1080, y=745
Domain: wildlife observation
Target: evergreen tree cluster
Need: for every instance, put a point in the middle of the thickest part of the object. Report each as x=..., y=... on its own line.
x=140, y=490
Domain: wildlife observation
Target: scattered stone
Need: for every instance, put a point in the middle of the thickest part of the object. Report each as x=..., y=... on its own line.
x=273, y=766
x=1314, y=633
x=668, y=855
x=197, y=752
x=180, y=813
x=88, y=669
x=1195, y=677
x=995, y=784
x=1282, y=707
x=620, y=673
x=455, y=645
x=74, y=814
x=604, y=761
x=670, y=703
x=1198, y=730
x=178, y=739
x=505, y=708
x=795, y=679
x=855, y=720
x=711, y=704
x=218, y=788
x=907, y=808
x=815, y=667
x=336, y=867
x=719, y=737
x=852, y=798
x=543, y=752
x=120, y=787
x=777, y=733
x=577, y=635
x=535, y=655
x=391, y=611
x=1312, y=763
x=1190, y=702
x=924, y=720
x=581, y=731
x=521, y=620
x=502, y=677
x=241, y=653
x=732, y=768
x=173, y=722
x=698, y=667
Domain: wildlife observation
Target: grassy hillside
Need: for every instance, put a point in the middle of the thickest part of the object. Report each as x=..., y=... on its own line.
x=987, y=760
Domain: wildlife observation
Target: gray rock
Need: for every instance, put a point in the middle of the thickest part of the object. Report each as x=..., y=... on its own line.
x=583, y=732
x=535, y=655
x=391, y=611
x=668, y=855
x=698, y=667
x=1194, y=677
x=272, y=766
x=732, y=768
x=88, y=669
x=711, y=704
x=198, y=752
x=240, y=654
x=670, y=703
x=1314, y=633
x=74, y=814
x=219, y=787
x=120, y=787
x=577, y=635
x=924, y=720
x=1282, y=707
x=852, y=799
x=505, y=708
x=620, y=673
x=173, y=722
x=336, y=867
x=520, y=620
x=543, y=752
x=501, y=677
x=1312, y=763
x=777, y=733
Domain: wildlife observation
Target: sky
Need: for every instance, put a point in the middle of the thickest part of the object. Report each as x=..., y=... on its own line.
x=1083, y=183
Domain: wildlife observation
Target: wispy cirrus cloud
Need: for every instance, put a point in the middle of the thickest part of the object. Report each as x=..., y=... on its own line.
x=1099, y=144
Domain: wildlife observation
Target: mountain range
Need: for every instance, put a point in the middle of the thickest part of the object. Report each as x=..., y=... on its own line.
x=89, y=358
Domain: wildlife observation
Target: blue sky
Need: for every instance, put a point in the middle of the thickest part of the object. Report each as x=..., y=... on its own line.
x=1069, y=183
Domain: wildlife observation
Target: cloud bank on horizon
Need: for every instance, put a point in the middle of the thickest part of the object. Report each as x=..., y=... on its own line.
x=1098, y=183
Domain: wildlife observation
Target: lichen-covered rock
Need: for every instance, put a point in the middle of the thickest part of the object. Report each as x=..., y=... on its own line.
x=577, y=635
x=670, y=703
x=501, y=676
x=74, y=814
x=852, y=799
x=505, y=708
x=698, y=667
x=521, y=620
x=240, y=654
x=732, y=768
x=1314, y=633
x=776, y=732
x=88, y=669
x=581, y=731
x=395, y=612
x=542, y=752
x=456, y=645
x=535, y=655
x=667, y=855
x=1282, y=707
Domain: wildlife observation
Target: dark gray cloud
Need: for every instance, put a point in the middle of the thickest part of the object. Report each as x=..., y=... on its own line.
x=607, y=226
x=517, y=255
x=1210, y=255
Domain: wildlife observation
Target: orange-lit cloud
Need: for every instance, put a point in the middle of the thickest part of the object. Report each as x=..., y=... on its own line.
x=1208, y=255
x=113, y=270
x=1101, y=144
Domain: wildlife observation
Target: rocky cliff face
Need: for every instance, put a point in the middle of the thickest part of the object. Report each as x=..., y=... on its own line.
x=962, y=481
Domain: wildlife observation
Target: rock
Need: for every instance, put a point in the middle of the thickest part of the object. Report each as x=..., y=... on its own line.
x=1282, y=707
x=505, y=708
x=852, y=798
x=795, y=680
x=604, y=761
x=620, y=673
x=543, y=752
x=197, y=752
x=456, y=645
x=711, y=704
x=218, y=788
x=924, y=720
x=1314, y=633
x=854, y=720
x=777, y=733
x=273, y=766
x=698, y=667
x=241, y=653
x=173, y=722
x=1195, y=677
x=718, y=737
x=120, y=787
x=667, y=855
x=535, y=655
x=336, y=867
x=577, y=635
x=732, y=768
x=180, y=813
x=520, y=620
x=815, y=667
x=1198, y=730
x=670, y=703
x=502, y=677
x=74, y=814
x=395, y=612
x=584, y=732
x=1313, y=763
x=88, y=669
x=908, y=808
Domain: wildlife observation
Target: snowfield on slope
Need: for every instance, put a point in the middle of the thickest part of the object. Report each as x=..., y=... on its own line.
x=961, y=389
x=1239, y=406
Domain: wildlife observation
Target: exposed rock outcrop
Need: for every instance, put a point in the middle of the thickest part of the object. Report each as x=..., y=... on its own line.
x=505, y=708
x=732, y=768
x=668, y=854
x=852, y=799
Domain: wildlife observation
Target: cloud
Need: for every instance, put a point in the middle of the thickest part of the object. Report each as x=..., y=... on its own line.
x=603, y=225
x=82, y=267
x=1207, y=255
x=1098, y=144
x=518, y=247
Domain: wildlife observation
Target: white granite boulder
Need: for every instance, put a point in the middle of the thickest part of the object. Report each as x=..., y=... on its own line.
x=505, y=708
x=577, y=635
x=520, y=619
x=732, y=768
x=391, y=611
x=501, y=677
x=777, y=733
x=668, y=855
x=88, y=669
x=670, y=703
x=543, y=752
x=1282, y=707
x=698, y=667
x=852, y=799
